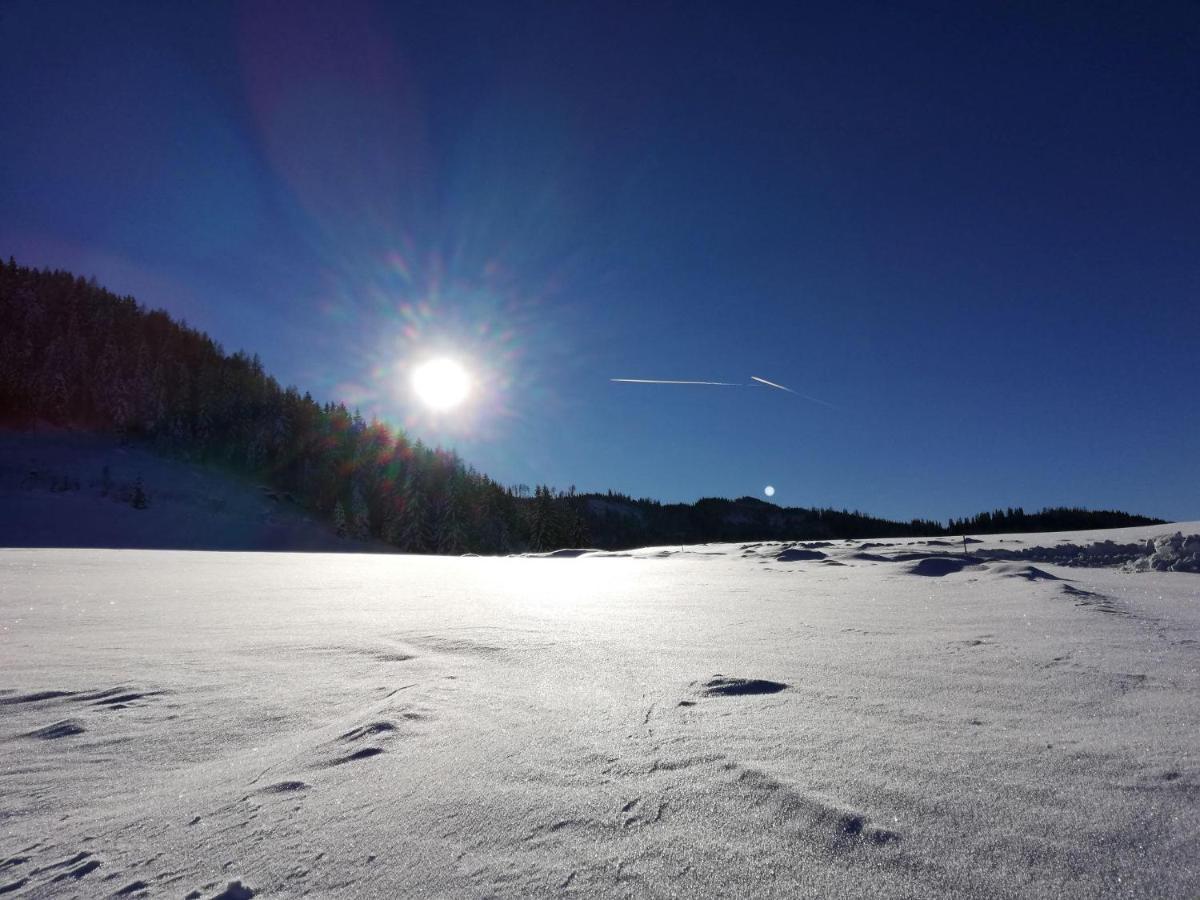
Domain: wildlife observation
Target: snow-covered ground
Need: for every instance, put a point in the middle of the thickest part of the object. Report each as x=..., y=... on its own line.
x=833, y=720
x=60, y=488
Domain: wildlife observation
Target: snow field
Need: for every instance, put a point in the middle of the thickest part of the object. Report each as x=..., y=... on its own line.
x=880, y=721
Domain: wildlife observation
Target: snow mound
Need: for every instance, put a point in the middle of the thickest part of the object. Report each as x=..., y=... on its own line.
x=939, y=566
x=1170, y=553
x=795, y=554
x=1029, y=573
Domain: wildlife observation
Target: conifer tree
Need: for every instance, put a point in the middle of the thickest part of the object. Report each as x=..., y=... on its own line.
x=412, y=531
x=360, y=522
x=139, y=499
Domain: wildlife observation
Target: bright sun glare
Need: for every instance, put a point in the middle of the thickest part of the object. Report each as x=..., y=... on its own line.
x=441, y=383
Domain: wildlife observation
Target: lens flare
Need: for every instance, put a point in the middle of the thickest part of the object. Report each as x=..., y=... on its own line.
x=441, y=384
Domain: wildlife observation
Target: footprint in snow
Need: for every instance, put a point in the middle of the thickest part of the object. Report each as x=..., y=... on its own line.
x=369, y=730
x=720, y=686
x=364, y=753
x=65, y=728
x=36, y=697
x=235, y=890
x=284, y=787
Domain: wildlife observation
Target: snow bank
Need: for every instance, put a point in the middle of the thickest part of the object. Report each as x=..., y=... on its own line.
x=1162, y=553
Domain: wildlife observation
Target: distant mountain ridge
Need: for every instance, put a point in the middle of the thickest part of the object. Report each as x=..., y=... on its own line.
x=74, y=354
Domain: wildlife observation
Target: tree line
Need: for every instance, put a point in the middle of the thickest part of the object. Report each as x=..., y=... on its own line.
x=615, y=520
x=1058, y=518
x=75, y=354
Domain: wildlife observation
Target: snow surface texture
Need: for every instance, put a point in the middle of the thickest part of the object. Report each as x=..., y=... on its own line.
x=885, y=719
x=64, y=489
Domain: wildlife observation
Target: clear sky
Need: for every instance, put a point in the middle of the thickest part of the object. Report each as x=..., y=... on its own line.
x=972, y=228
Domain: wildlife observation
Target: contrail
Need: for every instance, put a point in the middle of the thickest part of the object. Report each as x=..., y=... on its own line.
x=664, y=381
x=790, y=391
x=772, y=384
x=760, y=381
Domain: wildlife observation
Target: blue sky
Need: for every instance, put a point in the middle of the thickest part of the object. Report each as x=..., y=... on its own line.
x=972, y=228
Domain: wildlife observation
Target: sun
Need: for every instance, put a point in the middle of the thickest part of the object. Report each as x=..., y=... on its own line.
x=441, y=384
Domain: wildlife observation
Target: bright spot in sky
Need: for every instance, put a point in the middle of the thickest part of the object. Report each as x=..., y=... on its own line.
x=441, y=383
x=769, y=490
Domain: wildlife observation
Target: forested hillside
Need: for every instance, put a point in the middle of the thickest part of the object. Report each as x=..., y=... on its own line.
x=75, y=354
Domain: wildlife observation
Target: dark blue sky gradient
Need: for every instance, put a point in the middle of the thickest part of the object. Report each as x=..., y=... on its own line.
x=973, y=228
